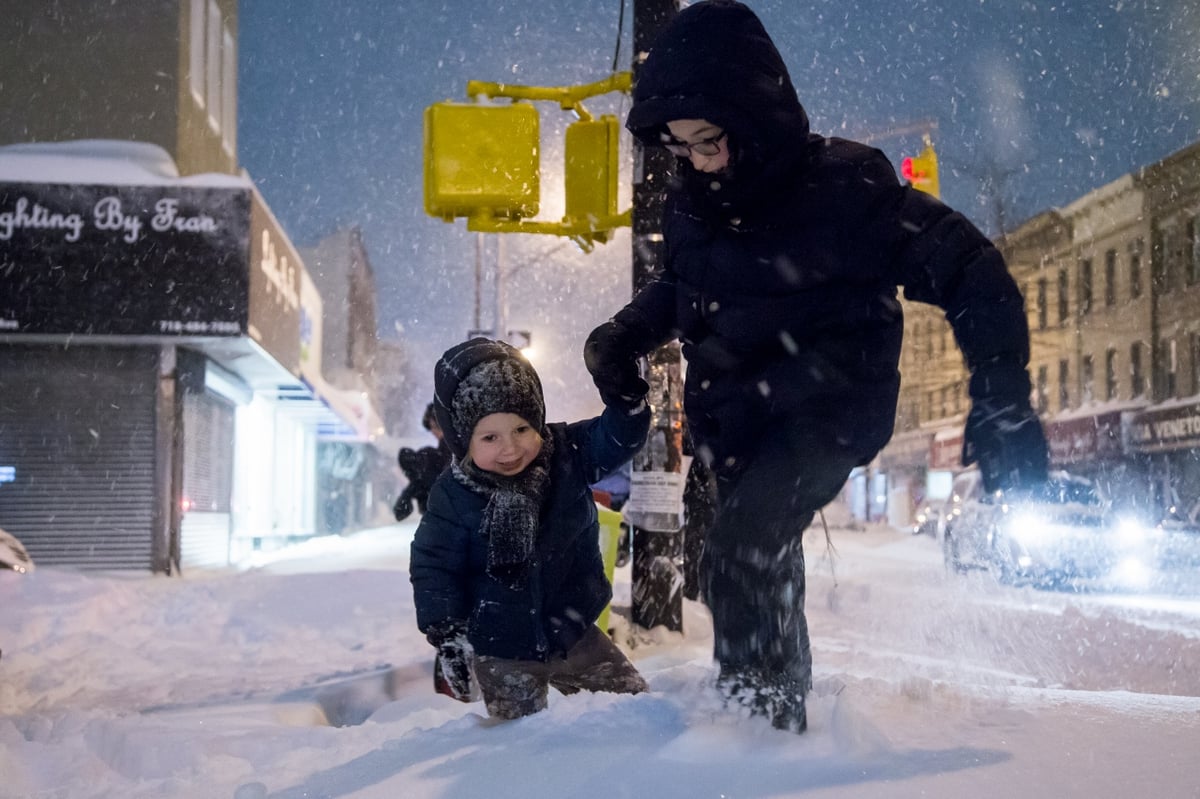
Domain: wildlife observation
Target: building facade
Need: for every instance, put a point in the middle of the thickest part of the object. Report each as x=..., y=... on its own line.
x=1111, y=285
x=159, y=408
x=356, y=473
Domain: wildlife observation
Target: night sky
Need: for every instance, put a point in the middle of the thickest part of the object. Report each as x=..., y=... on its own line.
x=1036, y=103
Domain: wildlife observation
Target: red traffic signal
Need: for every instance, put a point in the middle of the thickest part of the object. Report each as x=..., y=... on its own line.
x=922, y=171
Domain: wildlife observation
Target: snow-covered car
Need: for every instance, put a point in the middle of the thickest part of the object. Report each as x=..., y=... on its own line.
x=13, y=556
x=1179, y=542
x=1062, y=531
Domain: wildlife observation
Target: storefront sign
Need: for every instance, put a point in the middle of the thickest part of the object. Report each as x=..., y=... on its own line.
x=946, y=450
x=123, y=260
x=1165, y=429
x=275, y=277
x=1085, y=438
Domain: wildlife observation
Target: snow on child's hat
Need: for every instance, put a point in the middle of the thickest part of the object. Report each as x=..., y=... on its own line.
x=481, y=377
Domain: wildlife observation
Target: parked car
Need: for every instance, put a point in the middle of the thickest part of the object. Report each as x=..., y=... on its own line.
x=13, y=556
x=1063, y=531
x=930, y=520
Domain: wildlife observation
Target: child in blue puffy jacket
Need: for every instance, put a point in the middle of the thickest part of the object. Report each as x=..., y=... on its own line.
x=507, y=574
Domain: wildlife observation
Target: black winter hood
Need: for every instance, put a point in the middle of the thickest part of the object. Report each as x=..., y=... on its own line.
x=715, y=61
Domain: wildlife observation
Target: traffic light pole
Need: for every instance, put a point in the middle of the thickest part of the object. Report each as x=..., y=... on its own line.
x=657, y=580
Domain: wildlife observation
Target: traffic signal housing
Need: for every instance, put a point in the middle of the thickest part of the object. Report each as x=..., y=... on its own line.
x=481, y=159
x=922, y=171
x=590, y=176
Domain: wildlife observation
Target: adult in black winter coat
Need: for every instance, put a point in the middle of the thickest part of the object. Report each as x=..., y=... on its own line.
x=506, y=565
x=783, y=253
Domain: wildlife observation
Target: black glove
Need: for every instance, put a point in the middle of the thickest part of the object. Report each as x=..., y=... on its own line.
x=455, y=656
x=612, y=359
x=1006, y=437
x=403, y=507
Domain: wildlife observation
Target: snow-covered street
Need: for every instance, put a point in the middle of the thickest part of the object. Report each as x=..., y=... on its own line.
x=928, y=684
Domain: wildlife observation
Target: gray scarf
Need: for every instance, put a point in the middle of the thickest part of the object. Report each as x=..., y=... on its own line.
x=514, y=508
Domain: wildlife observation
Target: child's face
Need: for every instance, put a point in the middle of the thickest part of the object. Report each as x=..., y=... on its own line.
x=504, y=443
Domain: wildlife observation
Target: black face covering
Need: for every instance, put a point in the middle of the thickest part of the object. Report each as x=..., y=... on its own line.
x=748, y=183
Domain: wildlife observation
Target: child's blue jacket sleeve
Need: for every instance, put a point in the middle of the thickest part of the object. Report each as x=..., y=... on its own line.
x=439, y=566
x=608, y=441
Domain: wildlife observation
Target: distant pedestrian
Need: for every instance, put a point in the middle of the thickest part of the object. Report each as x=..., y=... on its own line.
x=508, y=578
x=421, y=467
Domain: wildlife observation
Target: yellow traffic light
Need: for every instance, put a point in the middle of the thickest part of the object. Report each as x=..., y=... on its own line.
x=922, y=171
x=481, y=159
x=590, y=175
x=481, y=162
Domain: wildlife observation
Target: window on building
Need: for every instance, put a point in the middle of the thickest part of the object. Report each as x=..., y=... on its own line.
x=1064, y=298
x=1194, y=363
x=1159, y=255
x=1137, y=375
x=929, y=338
x=1087, y=377
x=1085, y=287
x=1110, y=278
x=212, y=65
x=1135, y=269
x=1043, y=389
x=228, y=92
x=196, y=12
x=1042, y=311
x=1110, y=374
x=1192, y=252
x=1171, y=362
x=1064, y=388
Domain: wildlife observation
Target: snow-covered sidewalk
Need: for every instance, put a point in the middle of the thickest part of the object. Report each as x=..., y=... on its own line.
x=234, y=684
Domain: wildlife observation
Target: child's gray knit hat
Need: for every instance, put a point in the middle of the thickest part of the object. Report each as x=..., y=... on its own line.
x=481, y=377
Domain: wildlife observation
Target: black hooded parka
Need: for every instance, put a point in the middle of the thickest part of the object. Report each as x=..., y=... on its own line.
x=780, y=278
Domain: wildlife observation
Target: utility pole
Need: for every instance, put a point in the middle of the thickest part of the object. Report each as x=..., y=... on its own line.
x=655, y=527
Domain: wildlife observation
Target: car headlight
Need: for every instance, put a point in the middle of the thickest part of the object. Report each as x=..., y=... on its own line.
x=1025, y=526
x=1131, y=533
x=1133, y=573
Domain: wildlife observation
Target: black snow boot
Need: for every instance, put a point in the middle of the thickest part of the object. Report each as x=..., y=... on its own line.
x=777, y=697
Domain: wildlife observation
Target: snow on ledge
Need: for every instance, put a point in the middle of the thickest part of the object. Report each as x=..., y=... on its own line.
x=102, y=162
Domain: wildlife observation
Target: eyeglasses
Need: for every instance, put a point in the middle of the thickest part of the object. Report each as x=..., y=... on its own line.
x=709, y=146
